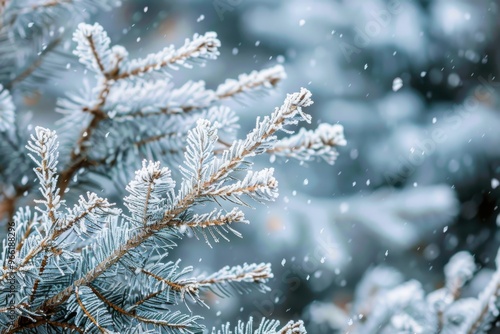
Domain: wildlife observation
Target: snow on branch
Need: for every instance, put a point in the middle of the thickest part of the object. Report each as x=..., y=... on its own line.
x=150, y=191
x=199, y=48
x=87, y=216
x=241, y=279
x=487, y=307
x=459, y=270
x=153, y=98
x=260, y=186
x=102, y=270
x=199, y=154
x=262, y=137
x=384, y=303
x=400, y=309
x=266, y=326
x=267, y=78
x=214, y=224
x=44, y=144
x=7, y=110
x=94, y=51
x=309, y=144
x=158, y=98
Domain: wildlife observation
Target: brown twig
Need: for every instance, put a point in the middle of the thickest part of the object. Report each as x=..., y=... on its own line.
x=132, y=315
x=87, y=313
x=37, y=281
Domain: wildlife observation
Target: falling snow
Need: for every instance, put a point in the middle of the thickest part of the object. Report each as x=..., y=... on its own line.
x=397, y=84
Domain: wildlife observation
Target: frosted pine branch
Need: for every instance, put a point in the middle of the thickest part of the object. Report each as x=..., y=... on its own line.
x=285, y=115
x=189, y=97
x=293, y=328
x=214, y=224
x=148, y=103
x=267, y=78
x=93, y=268
x=159, y=98
x=391, y=305
x=7, y=110
x=262, y=138
x=385, y=313
x=260, y=186
x=240, y=278
x=44, y=144
x=265, y=327
x=459, y=270
x=200, y=47
x=87, y=215
x=309, y=144
x=151, y=189
x=488, y=305
x=199, y=154
x=155, y=211
x=112, y=66
x=93, y=48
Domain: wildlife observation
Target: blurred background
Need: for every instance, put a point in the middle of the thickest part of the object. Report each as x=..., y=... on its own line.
x=414, y=85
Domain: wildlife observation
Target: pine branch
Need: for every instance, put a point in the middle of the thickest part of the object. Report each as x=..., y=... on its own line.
x=262, y=137
x=401, y=297
x=112, y=67
x=287, y=114
x=199, y=153
x=45, y=146
x=480, y=320
x=267, y=78
x=458, y=271
x=94, y=50
x=214, y=224
x=87, y=313
x=161, y=323
x=200, y=47
x=7, y=110
x=189, y=97
x=72, y=262
x=149, y=192
x=172, y=282
x=30, y=224
x=223, y=119
x=259, y=186
x=84, y=216
x=198, y=97
x=253, y=275
x=43, y=264
x=242, y=279
x=293, y=328
x=265, y=327
x=308, y=144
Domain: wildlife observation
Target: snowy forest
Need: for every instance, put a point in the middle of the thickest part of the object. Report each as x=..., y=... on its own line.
x=250, y=166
